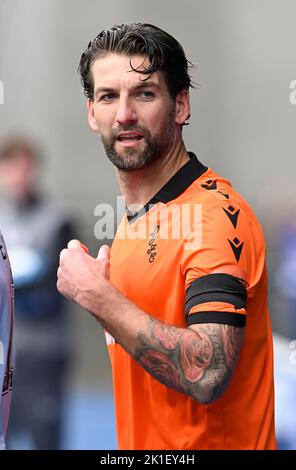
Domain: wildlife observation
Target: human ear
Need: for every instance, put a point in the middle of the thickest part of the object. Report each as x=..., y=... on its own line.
x=90, y=115
x=182, y=108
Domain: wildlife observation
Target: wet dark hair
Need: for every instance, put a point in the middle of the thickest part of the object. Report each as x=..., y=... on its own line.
x=162, y=50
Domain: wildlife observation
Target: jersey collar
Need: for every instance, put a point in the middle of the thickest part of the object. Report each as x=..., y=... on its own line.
x=179, y=182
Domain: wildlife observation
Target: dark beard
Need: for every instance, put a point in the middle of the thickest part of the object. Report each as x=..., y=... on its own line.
x=156, y=147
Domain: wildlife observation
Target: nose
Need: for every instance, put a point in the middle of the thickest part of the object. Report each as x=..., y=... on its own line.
x=126, y=112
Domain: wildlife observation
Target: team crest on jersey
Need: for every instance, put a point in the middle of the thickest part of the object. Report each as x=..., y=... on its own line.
x=152, y=245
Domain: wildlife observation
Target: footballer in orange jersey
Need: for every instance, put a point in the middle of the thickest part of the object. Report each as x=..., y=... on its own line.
x=183, y=294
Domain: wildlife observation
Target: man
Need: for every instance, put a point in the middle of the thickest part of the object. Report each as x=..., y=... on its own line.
x=6, y=321
x=186, y=315
x=35, y=231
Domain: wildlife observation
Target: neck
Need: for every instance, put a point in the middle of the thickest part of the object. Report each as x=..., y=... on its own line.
x=139, y=186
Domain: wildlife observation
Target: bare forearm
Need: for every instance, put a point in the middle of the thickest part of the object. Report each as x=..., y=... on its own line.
x=192, y=362
x=197, y=361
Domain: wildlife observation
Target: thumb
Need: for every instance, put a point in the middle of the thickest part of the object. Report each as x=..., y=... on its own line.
x=104, y=257
x=76, y=244
x=104, y=253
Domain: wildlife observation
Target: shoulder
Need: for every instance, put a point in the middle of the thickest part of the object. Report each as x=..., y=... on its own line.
x=230, y=236
x=222, y=205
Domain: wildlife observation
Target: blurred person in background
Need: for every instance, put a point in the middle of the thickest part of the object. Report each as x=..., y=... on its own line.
x=279, y=218
x=284, y=277
x=278, y=214
x=6, y=327
x=35, y=230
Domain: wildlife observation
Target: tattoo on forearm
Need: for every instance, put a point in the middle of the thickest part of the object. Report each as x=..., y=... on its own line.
x=161, y=367
x=231, y=338
x=196, y=355
x=198, y=363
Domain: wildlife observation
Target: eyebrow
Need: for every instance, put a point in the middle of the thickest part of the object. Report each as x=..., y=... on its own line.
x=140, y=86
x=99, y=90
x=146, y=84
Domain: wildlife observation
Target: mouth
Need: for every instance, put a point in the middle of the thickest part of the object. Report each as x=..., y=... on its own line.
x=129, y=137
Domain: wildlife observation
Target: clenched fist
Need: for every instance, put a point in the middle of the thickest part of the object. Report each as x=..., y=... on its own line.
x=83, y=278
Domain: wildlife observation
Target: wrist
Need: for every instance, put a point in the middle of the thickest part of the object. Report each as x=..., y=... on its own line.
x=100, y=300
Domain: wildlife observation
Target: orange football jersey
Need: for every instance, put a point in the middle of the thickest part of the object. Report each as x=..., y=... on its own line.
x=195, y=254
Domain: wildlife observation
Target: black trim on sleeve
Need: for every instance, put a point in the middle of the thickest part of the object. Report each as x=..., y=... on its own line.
x=232, y=319
x=216, y=288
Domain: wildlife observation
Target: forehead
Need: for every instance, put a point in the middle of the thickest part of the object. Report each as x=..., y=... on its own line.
x=113, y=70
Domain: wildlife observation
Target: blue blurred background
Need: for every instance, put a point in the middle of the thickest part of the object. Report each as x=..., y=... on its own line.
x=242, y=125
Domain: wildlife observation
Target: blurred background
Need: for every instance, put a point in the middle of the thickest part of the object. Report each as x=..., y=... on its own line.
x=243, y=125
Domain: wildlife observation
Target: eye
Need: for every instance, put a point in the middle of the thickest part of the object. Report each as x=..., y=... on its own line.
x=107, y=97
x=146, y=94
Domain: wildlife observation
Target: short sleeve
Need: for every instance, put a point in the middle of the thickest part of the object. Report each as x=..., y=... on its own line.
x=218, y=269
